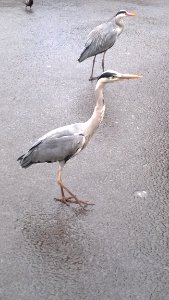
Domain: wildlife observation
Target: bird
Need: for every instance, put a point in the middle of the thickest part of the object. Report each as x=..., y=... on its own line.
x=29, y=3
x=103, y=37
x=63, y=143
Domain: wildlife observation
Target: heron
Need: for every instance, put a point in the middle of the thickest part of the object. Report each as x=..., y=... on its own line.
x=63, y=143
x=29, y=3
x=103, y=37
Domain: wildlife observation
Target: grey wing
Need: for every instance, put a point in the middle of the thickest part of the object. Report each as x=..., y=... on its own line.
x=52, y=149
x=67, y=130
x=99, y=40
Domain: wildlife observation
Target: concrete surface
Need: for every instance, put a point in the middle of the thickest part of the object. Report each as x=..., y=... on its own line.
x=117, y=249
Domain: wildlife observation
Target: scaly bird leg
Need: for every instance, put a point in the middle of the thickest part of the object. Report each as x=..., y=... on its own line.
x=58, y=179
x=91, y=76
x=103, y=60
x=63, y=199
x=73, y=198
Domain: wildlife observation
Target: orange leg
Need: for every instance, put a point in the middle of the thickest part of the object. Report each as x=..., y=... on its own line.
x=72, y=198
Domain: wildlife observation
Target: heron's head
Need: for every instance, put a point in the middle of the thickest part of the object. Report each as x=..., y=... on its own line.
x=111, y=76
x=124, y=13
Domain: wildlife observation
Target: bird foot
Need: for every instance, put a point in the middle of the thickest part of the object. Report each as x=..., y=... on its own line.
x=64, y=200
x=73, y=200
x=93, y=78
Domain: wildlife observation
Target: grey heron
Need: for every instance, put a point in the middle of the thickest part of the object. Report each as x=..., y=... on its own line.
x=103, y=37
x=61, y=144
x=29, y=3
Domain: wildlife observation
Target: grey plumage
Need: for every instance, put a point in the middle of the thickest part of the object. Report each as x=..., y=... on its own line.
x=103, y=37
x=99, y=40
x=63, y=143
x=57, y=145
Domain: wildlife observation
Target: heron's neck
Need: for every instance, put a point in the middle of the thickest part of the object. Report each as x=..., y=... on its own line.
x=120, y=24
x=98, y=113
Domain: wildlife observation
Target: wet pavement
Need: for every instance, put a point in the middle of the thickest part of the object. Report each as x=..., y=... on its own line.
x=118, y=249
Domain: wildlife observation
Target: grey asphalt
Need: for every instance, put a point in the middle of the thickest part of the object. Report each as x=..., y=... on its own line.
x=118, y=249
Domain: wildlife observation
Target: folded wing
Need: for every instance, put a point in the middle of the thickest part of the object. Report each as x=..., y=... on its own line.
x=52, y=149
x=99, y=40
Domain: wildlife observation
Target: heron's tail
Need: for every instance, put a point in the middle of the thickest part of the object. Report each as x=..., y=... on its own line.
x=86, y=53
x=80, y=59
x=25, y=160
x=82, y=56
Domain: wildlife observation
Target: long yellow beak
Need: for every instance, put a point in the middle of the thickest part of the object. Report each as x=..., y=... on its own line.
x=130, y=76
x=131, y=14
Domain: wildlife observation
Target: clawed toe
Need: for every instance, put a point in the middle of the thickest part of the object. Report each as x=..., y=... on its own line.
x=93, y=78
x=73, y=200
x=62, y=200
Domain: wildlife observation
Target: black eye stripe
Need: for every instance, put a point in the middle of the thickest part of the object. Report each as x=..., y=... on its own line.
x=107, y=75
x=121, y=12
